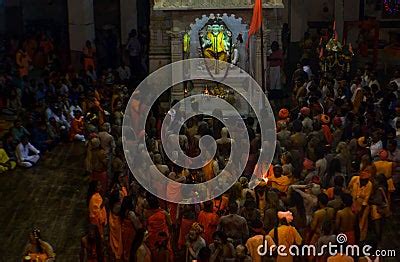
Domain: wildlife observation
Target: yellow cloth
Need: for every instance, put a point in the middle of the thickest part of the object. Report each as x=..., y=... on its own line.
x=386, y=167
x=253, y=243
x=4, y=159
x=281, y=183
x=360, y=197
x=208, y=170
x=360, y=194
x=287, y=236
x=340, y=258
x=97, y=214
x=217, y=42
x=115, y=235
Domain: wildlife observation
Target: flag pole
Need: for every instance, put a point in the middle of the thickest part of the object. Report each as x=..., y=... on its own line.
x=262, y=58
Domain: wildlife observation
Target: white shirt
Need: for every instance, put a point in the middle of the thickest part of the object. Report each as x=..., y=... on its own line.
x=307, y=69
x=74, y=108
x=22, y=151
x=375, y=82
x=375, y=148
x=133, y=46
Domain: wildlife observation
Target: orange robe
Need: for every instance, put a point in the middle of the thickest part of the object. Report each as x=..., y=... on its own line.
x=173, y=192
x=263, y=171
x=156, y=223
x=330, y=193
x=281, y=183
x=220, y=204
x=209, y=221
x=254, y=242
x=327, y=134
x=360, y=198
x=88, y=59
x=115, y=235
x=23, y=60
x=38, y=257
x=386, y=167
x=287, y=236
x=77, y=127
x=208, y=171
x=97, y=214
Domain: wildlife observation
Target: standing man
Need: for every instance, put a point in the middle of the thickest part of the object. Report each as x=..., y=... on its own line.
x=23, y=61
x=275, y=65
x=107, y=143
x=133, y=48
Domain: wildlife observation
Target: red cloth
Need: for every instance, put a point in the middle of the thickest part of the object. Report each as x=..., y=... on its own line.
x=327, y=133
x=156, y=223
x=209, y=221
x=128, y=235
x=184, y=230
x=276, y=58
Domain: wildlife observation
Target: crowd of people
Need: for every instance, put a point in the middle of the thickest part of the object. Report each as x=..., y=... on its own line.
x=335, y=168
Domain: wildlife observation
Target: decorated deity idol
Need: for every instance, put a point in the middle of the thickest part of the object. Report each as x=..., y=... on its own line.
x=216, y=43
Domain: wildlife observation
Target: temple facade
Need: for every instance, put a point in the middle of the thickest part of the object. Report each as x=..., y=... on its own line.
x=172, y=19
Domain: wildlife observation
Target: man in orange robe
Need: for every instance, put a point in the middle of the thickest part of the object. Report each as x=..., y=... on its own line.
x=157, y=221
x=115, y=234
x=209, y=221
x=97, y=211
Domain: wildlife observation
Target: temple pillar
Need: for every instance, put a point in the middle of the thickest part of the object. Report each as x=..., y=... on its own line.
x=177, y=91
x=81, y=26
x=298, y=25
x=159, y=49
x=128, y=18
x=339, y=18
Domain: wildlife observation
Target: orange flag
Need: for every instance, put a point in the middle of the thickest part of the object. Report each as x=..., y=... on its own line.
x=256, y=20
x=334, y=30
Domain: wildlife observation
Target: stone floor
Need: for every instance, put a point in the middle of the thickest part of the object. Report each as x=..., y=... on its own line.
x=52, y=197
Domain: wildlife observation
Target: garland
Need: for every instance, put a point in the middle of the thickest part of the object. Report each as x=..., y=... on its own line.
x=391, y=7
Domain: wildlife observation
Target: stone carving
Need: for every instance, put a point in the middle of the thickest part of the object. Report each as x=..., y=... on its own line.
x=212, y=4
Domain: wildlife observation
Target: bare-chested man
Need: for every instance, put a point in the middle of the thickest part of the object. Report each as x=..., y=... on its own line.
x=233, y=225
x=346, y=219
x=91, y=246
x=323, y=215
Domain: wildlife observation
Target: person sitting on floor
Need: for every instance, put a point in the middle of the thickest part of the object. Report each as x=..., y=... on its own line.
x=77, y=127
x=37, y=249
x=5, y=162
x=27, y=154
x=41, y=138
x=18, y=131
